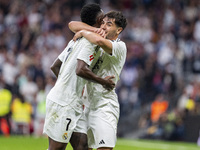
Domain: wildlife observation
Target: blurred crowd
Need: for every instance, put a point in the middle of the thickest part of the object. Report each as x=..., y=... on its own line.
x=163, y=43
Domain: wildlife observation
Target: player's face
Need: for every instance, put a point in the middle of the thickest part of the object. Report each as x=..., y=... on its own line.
x=111, y=30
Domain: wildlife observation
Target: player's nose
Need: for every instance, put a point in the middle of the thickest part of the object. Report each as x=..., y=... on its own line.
x=103, y=26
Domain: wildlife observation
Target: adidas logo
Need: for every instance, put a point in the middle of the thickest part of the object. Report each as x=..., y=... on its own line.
x=101, y=142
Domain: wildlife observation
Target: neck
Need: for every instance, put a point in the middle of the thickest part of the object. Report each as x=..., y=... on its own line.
x=114, y=38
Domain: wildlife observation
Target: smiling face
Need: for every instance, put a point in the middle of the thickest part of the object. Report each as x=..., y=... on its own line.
x=111, y=29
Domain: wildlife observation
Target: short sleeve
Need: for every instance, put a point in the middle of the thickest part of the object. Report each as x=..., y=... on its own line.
x=87, y=52
x=119, y=50
x=64, y=53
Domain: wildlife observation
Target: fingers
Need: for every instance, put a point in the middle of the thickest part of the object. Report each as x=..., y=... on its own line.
x=111, y=77
x=76, y=36
x=98, y=30
x=109, y=88
x=101, y=32
x=110, y=85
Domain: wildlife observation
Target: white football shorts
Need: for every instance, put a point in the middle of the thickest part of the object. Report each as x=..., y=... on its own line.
x=60, y=121
x=102, y=126
x=81, y=126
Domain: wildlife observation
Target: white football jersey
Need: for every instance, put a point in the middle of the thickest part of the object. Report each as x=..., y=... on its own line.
x=66, y=51
x=68, y=87
x=107, y=65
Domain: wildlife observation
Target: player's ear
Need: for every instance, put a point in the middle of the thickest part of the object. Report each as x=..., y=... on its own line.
x=119, y=30
x=100, y=18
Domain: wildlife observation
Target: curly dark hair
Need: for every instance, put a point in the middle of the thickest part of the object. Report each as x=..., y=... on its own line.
x=120, y=20
x=89, y=13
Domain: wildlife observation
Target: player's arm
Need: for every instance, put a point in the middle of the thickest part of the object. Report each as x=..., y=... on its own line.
x=95, y=39
x=55, y=67
x=76, y=26
x=83, y=71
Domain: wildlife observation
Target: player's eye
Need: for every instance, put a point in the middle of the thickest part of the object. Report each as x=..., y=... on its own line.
x=109, y=24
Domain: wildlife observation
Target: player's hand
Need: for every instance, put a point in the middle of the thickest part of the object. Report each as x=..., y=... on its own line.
x=77, y=35
x=101, y=32
x=109, y=84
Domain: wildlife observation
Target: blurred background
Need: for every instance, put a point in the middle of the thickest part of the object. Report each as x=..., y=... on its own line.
x=159, y=90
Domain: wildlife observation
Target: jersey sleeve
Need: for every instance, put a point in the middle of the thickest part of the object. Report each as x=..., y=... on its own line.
x=87, y=53
x=64, y=53
x=119, y=50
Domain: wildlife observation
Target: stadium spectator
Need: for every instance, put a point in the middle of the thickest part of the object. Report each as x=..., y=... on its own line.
x=158, y=107
x=21, y=116
x=40, y=108
x=29, y=90
x=5, y=109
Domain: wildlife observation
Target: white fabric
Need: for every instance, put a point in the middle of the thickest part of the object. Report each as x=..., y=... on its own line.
x=102, y=130
x=102, y=110
x=60, y=121
x=81, y=125
x=69, y=86
x=66, y=51
x=66, y=94
x=107, y=65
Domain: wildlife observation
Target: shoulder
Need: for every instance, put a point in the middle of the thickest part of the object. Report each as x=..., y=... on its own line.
x=118, y=44
x=71, y=43
x=85, y=42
